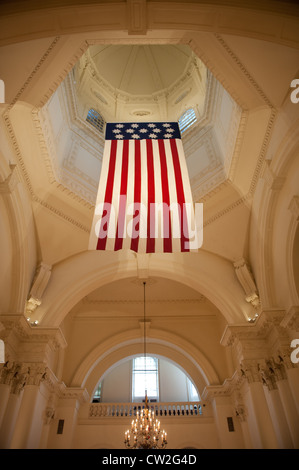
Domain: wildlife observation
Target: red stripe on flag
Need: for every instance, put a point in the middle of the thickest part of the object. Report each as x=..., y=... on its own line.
x=167, y=237
x=108, y=197
x=180, y=192
x=137, y=195
x=121, y=219
x=150, y=242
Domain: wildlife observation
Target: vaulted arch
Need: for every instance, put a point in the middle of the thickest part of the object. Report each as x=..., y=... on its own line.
x=78, y=276
x=129, y=343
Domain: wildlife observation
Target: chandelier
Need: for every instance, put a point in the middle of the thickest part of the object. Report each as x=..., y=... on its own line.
x=145, y=429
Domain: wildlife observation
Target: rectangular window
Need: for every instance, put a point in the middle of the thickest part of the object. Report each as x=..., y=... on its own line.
x=230, y=424
x=187, y=120
x=145, y=377
x=60, y=426
x=95, y=119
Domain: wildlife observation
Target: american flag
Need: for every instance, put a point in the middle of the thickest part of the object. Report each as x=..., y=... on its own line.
x=144, y=200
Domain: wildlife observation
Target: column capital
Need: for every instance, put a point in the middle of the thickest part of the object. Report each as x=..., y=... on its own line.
x=263, y=338
x=251, y=370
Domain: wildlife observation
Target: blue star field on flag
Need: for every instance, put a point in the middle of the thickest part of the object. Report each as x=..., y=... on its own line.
x=144, y=130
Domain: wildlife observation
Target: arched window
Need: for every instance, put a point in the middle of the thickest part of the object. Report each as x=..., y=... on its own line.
x=145, y=377
x=127, y=381
x=95, y=119
x=187, y=120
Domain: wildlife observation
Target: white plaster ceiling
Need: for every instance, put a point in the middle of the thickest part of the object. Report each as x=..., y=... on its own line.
x=139, y=83
x=140, y=69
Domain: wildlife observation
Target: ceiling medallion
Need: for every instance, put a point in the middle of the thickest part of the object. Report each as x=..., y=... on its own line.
x=141, y=113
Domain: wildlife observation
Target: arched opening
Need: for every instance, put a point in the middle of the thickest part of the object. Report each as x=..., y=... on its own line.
x=127, y=380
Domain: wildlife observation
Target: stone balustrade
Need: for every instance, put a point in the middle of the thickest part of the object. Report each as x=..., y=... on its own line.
x=169, y=409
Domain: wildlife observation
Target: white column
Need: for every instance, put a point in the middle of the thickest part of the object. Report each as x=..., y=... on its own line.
x=13, y=405
x=4, y=397
x=67, y=412
x=228, y=425
x=290, y=410
x=242, y=414
x=293, y=380
x=279, y=419
x=22, y=434
x=6, y=375
x=263, y=420
x=223, y=410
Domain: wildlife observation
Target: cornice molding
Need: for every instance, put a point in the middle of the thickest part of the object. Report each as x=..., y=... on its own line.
x=87, y=301
x=243, y=69
x=20, y=328
x=227, y=389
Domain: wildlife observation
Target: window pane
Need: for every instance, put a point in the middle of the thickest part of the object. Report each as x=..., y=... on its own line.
x=145, y=377
x=193, y=395
x=95, y=119
x=187, y=119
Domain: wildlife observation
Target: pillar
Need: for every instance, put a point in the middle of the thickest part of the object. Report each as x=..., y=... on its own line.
x=16, y=379
x=278, y=417
x=66, y=413
x=27, y=427
x=228, y=425
x=263, y=420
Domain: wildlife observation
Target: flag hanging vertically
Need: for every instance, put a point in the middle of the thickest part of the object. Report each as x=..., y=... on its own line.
x=144, y=200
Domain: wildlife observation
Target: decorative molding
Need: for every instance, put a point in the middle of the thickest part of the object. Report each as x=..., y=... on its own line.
x=18, y=329
x=35, y=70
x=77, y=393
x=226, y=210
x=262, y=155
x=49, y=415
x=227, y=389
x=69, y=66
x=28, y=183
x=246, y=280
x=59, y=176
x=39, y=285
x=250, y=370
x=88, y=301
x=273, y=182
x=294, y=207
x=243, y=69
x=9, y=184
x=137, y=16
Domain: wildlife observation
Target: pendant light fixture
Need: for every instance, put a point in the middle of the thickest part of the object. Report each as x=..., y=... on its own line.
x=145, y=428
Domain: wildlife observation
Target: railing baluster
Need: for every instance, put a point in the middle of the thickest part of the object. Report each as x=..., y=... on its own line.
x=123, y=410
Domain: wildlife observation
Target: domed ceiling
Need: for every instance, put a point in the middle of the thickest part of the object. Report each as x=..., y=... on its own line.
x=132, y=83
x=140, y=70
